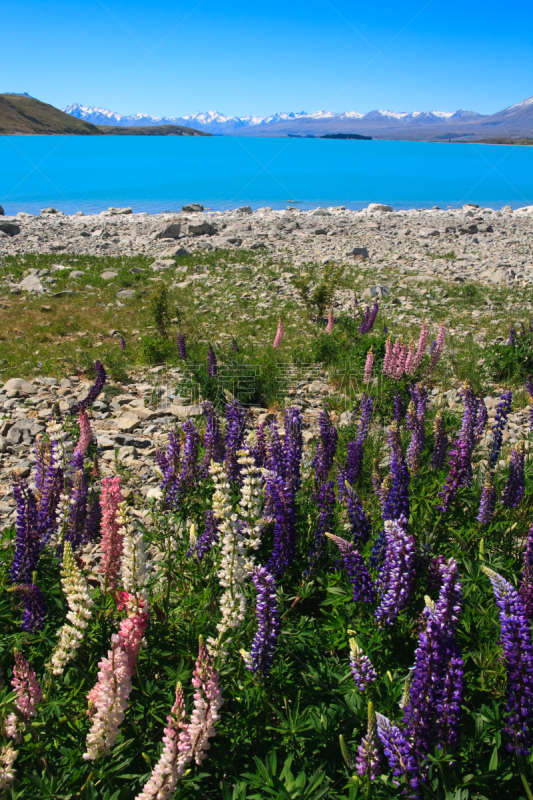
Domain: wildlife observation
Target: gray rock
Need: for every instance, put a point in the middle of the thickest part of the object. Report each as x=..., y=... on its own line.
x=245, y=210
x=14, y=436
x=109, y=274
x=76, y=273
x=170, y=230
x=14, y=290
x=193, y=207
x=346, y=418
x=203, y=228
x=136, y=271
x=361, y=252
x=467, y=228
x=64, y=293
x=379, y=207
x=179, y=252
x=320, y=232
x=258, y=246
x=50, y=381
x=126, y=294
x=161, y=264
x=379, y=291
x=117, y=211
x=3, y=440
x=1, y=211
x=9, y=228
x=31, y=283
x=234, y=240
x=50, y=210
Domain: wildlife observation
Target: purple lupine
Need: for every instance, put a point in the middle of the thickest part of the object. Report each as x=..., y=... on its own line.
x=208, y=538
x=515, y=639
x=28, y=543
x=396, y=501
x=502, y=412
x=526, y=585
x=327, y=446
x=368, y=758
x=293, y=448
x=515, y=486
x=236, y=419
x=284, y=524
x=361, y=525
x=512, y=335
x=92, y=523
x=234, y=345
x=487, y=501
x=326, y=511
x=440, y=449
x=369, y=318
x=460, y=456
x=432, y=347
x=395, y=581
x=363, y=673
x=364, y=321
x=213, y=444
x=354, y=449
x=182, y=347
x=211, y=362
x=354, y=564
x=434, y=700
x=78, y=491
x=169, y=462
x=122, y=344
x=268, y=623
x=94, y=391
x=385, y=331
x=34, y=606
x=259, y=449
x=398, y=412
x=529, y=387
x=189, y=462
x=275, y=460
x=398, y=751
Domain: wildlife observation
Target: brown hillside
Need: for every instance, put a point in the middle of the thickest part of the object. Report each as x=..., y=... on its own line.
x=150, y=130
x=26, y=115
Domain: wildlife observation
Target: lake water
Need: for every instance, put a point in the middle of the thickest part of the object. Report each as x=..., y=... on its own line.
x=149, y=173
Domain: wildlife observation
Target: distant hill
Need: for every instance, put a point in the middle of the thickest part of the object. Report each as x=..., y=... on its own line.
x=150, y=130
x=21, y=114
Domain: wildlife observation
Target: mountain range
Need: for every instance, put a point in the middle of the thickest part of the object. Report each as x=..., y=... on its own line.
x=517, y=120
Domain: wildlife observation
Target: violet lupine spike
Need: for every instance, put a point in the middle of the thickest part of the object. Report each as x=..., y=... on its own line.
x=397, y=750
x=410, y=417
x=515, y=486
x=34, y=604
x=354, y=564
x=234, y=345
x=354, y=449
x=515, y=639
x=213, y=444
x=364, y=674
x=488, y=500
x=236, y=419
x=94, y=391
x=78, y=492
x=182, y=347
x=512, y=335
x=284, y=524
x=417, y=424
x=169, y=462
x=268, y=623
x=28, y=543
x=450, y=699
x=211, y=362
x=398, y=407
x=259, y=449
x=122, y=344
x=502, y=412
x=529, y=388
x=208, y=538
x=396, y=502
x=440, y=449
x=189, y=462
x=396, y=579
x=436, y=351
x=326, y=511
x=275, y=461
x=293, y=448
x=92, y=523
x=363, y=327
x=361, y=525
x=460, y=456
x=368, y=758
x=526, y=585
x=327, y=446
x=371, y=318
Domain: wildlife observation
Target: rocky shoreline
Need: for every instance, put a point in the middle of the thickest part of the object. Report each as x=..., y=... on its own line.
x=468, y=243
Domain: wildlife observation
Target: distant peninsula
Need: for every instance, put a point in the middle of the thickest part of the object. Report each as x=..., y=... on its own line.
x=21, y=115
x=345, y=136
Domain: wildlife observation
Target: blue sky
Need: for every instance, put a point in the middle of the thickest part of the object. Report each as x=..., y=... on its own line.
x=170, y=58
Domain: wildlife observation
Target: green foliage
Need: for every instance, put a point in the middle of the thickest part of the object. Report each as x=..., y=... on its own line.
x=317, y=299
x=512, y=362
x=159, y=307
x=157, y=350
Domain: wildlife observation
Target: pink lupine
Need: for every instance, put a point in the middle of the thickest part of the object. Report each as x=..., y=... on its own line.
x=410, y=363
x=110, y=697
x=422, y=344
x=29, y=694
x=331, y=321
x=399, y=367
x=207, y=701
x=387, y=361
x=175, y=756
x=131, y=632
x=279, y=335
x=112, y=538
x=369, y=365
x=86, y=433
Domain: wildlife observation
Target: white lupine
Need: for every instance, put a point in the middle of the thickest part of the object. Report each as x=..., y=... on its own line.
x=7, y=773
x=110, y=697
x=80, y=604
x=251, y=502
x=61, y=445
x=134, y=567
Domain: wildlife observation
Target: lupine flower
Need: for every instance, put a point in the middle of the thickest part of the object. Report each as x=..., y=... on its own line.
x=410, y=360
x=440, y=449
x=331, y=321
x=132, y=629
x=362, y=670
x=213, y=444
x=354, y=449
x=94, y=391
x=208, y=538
x=80, y=604
x=236, y=420
x=515, y=639
x=398, y=407
x=369, y=319
x=92, y=522
x=326, y=511
x=416, y=422
x=112, y=538
x=487, y=501
x=86, y=433
x=354, y=563
x=529, y=387
x=182, y=348
x=28, y=542
x=169, y=462
x=327, y=446
x=122, y=344
x=512, y=335
x=387, y=360
x=361, y=525
x=526, y=586
x=515, y=486
x=259, y=449
x=284, y=523
x=385, y=330
x=234, y=345
x=29, y=695
x=397, y=750
x=368, y=759
x=133, y=567
x=369, y=365
x=75, y=504
x=395, y=581
x=500, y=420
x=7, y=774
x=395, y=502
x=293, y=448
x=422, y=344
x=278, y=338
x=108, y=701
x=175, y=756
x=364, y=323
x=211, y=362
x=34, y=606
x=460, y=456
x=437, y=351
x=268, y=623
x=207, y=702
x=189, y=462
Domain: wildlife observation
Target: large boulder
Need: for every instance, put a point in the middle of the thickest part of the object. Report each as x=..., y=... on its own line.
x=359, y=253
x=116, y=211
x=11, y=228
x=19, y=385
x=1, y=211
x=203, y=228
x=169, y=230
x=32, y=283
x=193, y=207
x=379, y=207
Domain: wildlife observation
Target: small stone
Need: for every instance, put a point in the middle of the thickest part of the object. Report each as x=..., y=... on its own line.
x=192, y=207
x=46, y=308
x=64, y=293
x=109, y=275
x=126, y=294
x=120, y=211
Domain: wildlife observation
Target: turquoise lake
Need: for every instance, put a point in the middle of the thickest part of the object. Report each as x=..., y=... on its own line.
x=159, y=173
